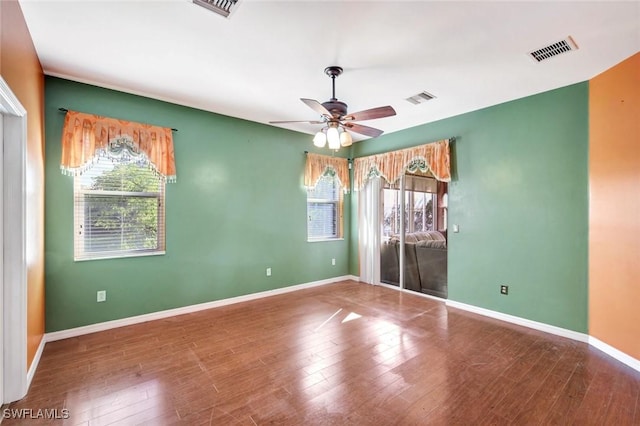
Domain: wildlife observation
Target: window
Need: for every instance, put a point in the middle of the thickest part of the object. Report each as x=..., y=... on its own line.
x=324, y=209
x=421, y=207
x=391, y=212
x=118, y=211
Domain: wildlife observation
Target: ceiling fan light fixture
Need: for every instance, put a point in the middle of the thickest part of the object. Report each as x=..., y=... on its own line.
x=333, y=138
x=345, y=139
x=334, y=115
x=320, y=139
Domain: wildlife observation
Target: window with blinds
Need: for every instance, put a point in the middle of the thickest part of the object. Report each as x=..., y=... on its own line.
x=324, y=210
x=118, y=211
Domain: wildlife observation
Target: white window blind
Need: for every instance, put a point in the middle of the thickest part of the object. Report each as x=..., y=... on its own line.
x=324, y=209
x=118, y=211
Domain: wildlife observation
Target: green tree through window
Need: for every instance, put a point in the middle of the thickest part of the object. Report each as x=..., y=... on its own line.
x=119, y=211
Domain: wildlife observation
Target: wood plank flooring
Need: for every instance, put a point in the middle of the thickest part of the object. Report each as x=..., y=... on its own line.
x=341, y=354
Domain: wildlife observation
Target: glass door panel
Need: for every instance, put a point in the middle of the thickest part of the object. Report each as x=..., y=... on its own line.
x=389, y=255
x=418, y=206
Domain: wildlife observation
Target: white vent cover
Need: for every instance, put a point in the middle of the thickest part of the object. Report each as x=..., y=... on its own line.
x=420, y=98
x=221, y=7
x=554, y=49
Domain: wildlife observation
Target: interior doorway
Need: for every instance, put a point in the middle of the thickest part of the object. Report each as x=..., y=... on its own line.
x=413, y=252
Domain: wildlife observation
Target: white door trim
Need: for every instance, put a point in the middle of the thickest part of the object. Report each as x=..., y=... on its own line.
x=14, y=277
x=2, y=111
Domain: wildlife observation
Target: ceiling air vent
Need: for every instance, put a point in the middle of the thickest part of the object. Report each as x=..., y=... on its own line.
x=221, y=7
x=554, y=49
x=420, y=98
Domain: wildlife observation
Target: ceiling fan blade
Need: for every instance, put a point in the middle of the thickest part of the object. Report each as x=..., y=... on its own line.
x=297, y=121
x=364, y=130
x=370, y=114
x=317, y=107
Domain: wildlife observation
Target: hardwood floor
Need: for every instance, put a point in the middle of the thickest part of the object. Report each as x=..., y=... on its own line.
x=343, y=354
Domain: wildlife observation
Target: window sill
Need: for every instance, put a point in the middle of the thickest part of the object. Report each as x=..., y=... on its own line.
x=121, y=255
x=319, y=240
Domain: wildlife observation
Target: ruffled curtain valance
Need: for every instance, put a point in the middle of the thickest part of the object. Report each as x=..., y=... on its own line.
x=317, y=165
x=392, y=165
x=85, y=137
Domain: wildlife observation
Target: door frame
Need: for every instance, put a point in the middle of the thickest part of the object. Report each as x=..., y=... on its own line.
x=13, y=234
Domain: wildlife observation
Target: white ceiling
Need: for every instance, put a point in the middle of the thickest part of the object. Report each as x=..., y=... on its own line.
x=256, y=64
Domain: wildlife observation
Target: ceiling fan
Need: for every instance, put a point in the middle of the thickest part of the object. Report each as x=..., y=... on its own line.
x=336, y=119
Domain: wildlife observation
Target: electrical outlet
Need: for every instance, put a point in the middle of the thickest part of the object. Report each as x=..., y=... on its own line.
x=268, y=272
x=504, y=289
x=333, y=262
x=101, y=296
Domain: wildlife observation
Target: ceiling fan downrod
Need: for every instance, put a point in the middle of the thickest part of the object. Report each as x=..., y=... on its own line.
x=333, y=72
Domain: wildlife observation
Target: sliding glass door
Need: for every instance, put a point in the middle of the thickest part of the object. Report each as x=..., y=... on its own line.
x=413, y=253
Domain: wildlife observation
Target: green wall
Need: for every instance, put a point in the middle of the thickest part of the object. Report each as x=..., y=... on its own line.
x=239, y=206
x=519, y=194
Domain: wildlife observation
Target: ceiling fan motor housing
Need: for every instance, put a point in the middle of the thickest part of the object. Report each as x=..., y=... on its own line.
x=337, y=108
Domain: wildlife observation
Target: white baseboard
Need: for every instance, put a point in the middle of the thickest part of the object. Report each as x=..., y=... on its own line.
x=615, y=353
x=552, y=329
x=108, y=325
x=36, y=360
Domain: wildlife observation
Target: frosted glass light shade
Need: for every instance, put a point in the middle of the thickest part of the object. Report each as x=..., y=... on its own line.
x=345, y=139
x=320, y=139
x=333, y=137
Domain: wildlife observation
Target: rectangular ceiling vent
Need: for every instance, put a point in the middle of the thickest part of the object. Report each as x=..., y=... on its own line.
x=221, y=7
x=554, y=49
x=420, y=98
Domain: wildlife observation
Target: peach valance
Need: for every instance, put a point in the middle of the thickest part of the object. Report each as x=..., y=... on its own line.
x=392, y=165
x=317, y=165
x=85, y=137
